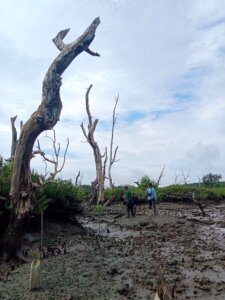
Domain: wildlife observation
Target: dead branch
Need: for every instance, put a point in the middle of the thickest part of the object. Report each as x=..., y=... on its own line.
x=105, y=162
x=185, y=177
x=160, y=176
x=55, y=159
x=59, y=37
x=21, y=125
x=112, y=156
x=92, y=53
x=176, y=179
x=77, y=177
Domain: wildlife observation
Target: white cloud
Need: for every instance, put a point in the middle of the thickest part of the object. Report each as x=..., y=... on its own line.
x=166, y=60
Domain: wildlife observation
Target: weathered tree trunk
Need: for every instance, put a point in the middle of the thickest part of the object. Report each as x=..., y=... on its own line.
x=100, y=167
x=93, y=192
x=14, y=136
x=112, y=157
x=46, y=116
x=77, y=178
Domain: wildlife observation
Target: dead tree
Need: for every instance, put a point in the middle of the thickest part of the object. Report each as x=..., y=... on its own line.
x=44, y=118
x=57, y=168
x=199, y=204
x=185, y=177
x=98, y=183
x=112, y=155
x=160, y=176
x=176, y=179
x=55, y=159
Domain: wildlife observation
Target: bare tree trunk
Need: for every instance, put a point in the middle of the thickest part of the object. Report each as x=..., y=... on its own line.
x=112, y=157
x=160, y=176
x=77, y=178
x=14, y=136
x=100, y=176
x=94, y=185
x=101, y=188
x=200, y=205
x=46, y=116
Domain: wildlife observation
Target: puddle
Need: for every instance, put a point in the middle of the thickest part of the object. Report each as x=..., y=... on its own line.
x=218, y=230
x=110, y=231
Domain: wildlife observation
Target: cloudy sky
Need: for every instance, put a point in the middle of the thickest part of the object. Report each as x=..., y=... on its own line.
x=165, y=59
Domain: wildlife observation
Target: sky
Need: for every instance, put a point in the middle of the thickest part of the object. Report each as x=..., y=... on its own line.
x=166, y=61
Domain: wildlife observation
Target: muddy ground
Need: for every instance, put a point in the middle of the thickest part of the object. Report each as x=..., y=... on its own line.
x=127, y=258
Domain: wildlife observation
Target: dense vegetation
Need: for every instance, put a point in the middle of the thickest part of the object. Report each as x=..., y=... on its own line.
x=62, y=199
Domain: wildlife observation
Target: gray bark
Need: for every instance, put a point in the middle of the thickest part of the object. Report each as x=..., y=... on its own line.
x=14, y=136
x=100, y=166
x=112, y=154
x=44, y=118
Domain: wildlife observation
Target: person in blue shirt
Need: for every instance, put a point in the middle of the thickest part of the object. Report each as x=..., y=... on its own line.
x=151, y=197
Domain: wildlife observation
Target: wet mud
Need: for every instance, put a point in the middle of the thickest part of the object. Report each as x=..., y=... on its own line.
x=128, y=258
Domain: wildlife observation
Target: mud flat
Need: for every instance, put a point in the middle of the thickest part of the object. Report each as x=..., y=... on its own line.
x=121, y=258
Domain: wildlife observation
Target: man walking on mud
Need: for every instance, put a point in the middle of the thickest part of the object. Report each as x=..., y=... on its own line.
x=152, y=198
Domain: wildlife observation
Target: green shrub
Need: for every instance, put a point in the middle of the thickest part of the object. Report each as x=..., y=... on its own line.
x=183, y=193
x=5, y=204
x=116, y=193
x=175, y=193
x=5, y=178
x=145, y=181
x=60, y=198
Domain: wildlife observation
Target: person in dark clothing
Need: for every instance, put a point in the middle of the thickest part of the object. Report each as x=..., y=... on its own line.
x=129, y=202
x=136, y=202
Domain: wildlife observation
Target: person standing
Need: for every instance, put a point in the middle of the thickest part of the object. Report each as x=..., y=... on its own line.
x=152, y=197
x=129, y=202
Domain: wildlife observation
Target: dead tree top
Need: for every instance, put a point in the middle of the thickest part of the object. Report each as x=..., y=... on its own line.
x=48, y=112
x=52, y=80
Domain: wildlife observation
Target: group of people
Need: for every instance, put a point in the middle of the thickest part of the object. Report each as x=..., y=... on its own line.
x=131, y=202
